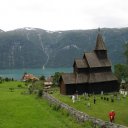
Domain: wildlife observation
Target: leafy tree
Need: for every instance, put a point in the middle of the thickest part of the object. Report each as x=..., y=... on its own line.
x=30, y=89
x=56, y=78
x=1, y=80
x=118, y=71
x=42, y=77
x=38, y=85
x=121, y=71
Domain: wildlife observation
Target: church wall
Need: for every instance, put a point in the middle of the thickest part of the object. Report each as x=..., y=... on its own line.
x=82, y=88
x=106, y=87
x=70, y=89
x=100, y=69
x=62, y=87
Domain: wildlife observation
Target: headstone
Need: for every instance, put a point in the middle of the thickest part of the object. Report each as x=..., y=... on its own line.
x=88, y=104
x=73, y=98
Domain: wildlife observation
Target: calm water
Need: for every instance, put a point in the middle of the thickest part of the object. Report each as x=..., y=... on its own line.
x=18, y=73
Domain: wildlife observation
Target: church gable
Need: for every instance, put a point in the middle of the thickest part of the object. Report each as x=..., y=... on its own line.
x=80, y=63
x=92, y=60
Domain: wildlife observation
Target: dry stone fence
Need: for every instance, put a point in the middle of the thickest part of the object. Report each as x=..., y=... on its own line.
x=80, y=116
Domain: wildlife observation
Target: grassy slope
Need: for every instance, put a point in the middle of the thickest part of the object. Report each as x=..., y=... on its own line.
x=101, y=108
x=24, y=111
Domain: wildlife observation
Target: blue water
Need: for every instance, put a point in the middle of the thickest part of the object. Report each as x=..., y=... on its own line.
x=18, y=73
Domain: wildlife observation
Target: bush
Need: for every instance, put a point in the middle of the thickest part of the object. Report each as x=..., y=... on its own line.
x=19, y=86
x=40, y=93
x=0, y=81
x=65, y=112
x=11, y=89
x=56, y=107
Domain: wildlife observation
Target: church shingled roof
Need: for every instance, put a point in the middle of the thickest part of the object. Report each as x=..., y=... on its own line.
x=81, y=63
x=100, y=45
x=101, y=77
x=71, y=78
x=94, y=61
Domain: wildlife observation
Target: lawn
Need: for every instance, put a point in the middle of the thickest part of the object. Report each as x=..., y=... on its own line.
x=101, y=108
x=19, y=110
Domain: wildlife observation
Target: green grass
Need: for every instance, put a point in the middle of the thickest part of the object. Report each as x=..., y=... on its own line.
x=19, y=110
x=101, y=108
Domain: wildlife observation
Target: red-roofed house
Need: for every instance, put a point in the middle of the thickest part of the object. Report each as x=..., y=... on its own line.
x=28, y=77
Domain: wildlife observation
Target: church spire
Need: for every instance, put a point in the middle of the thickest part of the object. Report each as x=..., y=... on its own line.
x=100, y=48
x=100, y=45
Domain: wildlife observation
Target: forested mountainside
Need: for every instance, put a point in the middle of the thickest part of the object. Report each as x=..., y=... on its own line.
x=35, y=48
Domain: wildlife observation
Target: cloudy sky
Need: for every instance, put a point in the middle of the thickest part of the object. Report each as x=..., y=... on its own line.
x=63, y=14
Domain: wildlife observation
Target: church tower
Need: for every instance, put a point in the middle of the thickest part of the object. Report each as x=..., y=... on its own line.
x=100, y=48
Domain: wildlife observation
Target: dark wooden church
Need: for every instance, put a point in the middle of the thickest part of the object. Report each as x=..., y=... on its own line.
x=92, y=73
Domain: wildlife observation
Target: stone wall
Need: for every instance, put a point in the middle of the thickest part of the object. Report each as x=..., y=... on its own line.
x=81, y=116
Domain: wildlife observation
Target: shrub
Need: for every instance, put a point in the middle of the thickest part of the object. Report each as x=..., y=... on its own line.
x=19, y=86
x=40, y=93
x=56, y=107
x=11, y=89
x=65, y=112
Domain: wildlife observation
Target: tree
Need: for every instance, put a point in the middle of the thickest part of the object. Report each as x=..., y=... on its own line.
x=56, y=78
x=42, y=77
x=121, y=71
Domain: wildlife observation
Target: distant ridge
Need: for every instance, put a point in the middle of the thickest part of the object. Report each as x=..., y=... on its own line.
x=34, y=47
x=1, y=30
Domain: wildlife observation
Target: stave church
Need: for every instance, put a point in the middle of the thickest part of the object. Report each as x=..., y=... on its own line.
x=91, y=74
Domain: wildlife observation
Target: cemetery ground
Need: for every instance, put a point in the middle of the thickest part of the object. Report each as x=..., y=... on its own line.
x=102, y=106
x=21, y=110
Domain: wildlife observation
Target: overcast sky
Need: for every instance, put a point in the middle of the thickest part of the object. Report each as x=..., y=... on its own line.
x=63, y=14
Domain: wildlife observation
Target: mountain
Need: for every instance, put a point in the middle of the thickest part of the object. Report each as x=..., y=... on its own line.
x=35, y=48
x=1, y=30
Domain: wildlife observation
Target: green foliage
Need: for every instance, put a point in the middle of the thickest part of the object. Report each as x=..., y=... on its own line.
x=56, y=78
x=1, y=78
x=65, y=112
x=30, y=89
x=37, y=85
x=56, y=107
x=121, y=71
x=19, y=86
x=11, y=89
x=7, y=79
x=90, y=124
x=40, y=93
x=1, y=81
x=42, y=77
